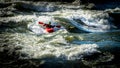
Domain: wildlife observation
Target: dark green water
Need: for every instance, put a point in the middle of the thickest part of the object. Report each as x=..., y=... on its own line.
x=69, y=48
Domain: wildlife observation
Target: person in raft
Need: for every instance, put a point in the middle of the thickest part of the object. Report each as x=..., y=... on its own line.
x=50, y=28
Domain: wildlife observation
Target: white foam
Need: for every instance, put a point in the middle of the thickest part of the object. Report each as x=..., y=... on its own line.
x=45, y=46
x=54, y=45
x=96, y=21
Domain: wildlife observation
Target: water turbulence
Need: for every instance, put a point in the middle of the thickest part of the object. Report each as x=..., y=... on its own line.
x=86, y=21
x=70, y=42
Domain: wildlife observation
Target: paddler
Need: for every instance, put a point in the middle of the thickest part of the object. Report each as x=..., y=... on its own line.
x=50, y=28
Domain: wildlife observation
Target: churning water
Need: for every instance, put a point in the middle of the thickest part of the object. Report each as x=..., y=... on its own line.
x=63, y=44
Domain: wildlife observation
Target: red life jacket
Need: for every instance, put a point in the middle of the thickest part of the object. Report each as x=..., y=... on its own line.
x=49, y=30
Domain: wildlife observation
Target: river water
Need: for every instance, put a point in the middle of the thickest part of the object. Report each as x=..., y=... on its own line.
x=86, y=34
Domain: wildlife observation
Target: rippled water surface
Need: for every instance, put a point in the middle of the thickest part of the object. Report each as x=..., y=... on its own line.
x=87, y=33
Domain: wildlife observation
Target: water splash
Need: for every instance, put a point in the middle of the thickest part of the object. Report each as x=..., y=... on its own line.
x=47, y=46
x=62, y=44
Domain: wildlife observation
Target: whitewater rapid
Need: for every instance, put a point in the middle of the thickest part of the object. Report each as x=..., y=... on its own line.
x=62, y=44
x=84, y=20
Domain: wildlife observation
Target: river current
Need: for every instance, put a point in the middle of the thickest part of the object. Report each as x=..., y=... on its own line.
x=86, y=32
